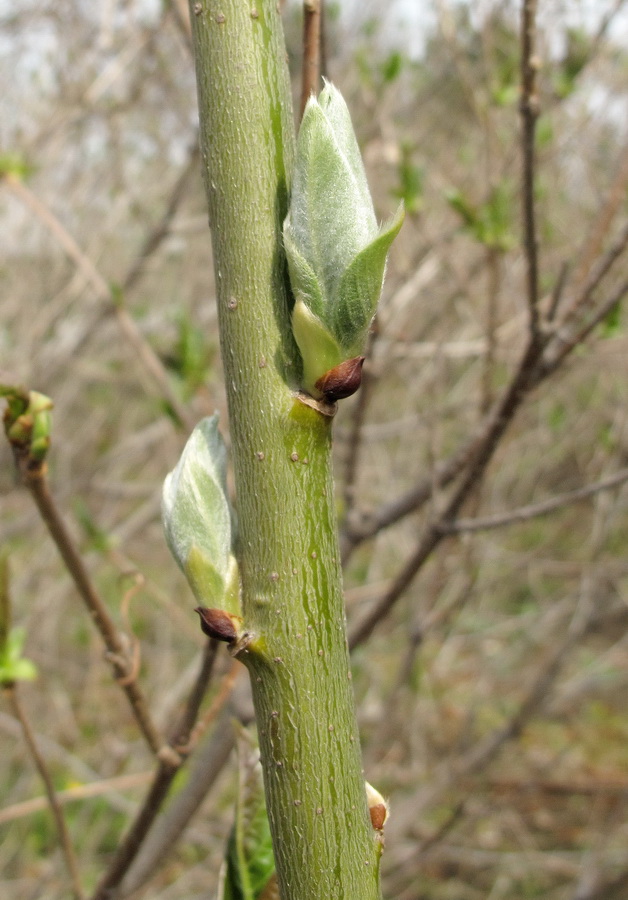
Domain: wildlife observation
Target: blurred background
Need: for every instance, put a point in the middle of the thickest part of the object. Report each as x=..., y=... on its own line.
x=492, y=694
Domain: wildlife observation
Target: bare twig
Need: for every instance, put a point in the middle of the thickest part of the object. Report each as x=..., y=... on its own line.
x=128, y=849
x=354, y=439
x=477, y=462
x=557, y=293
x=55, y=806
x=166, y=831
x=492, y=300
x=185, y=740
x=199, y=689
x=604, y=220
x=534, y=510
x=582, y=299
x=564, y=345
x=34, y=478
x=74, y=794
x=311, y=49
x=529, y=109
x=161, y=229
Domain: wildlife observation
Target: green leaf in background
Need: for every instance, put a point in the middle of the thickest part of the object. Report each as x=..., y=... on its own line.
x=13, y=666
x=198, y=520
x=611, y=325
x=411, y=181
x=249, y=868
x=489, y=223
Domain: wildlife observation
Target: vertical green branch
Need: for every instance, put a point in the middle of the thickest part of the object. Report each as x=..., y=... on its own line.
x=287, y=544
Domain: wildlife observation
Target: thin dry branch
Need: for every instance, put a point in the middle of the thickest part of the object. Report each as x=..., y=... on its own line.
x=312, y=16
x=477, y=463
x=359, y=410
x=529, y=110
x=184, y=742
x=42, y=767
x=34, y=478
x=534, y=510
x=168, y=828
x=583, y=298
x=604, y=220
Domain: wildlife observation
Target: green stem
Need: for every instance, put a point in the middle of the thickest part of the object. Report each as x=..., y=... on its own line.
x=288, y=547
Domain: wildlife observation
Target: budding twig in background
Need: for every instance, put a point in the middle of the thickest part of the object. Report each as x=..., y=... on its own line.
x=336, y=252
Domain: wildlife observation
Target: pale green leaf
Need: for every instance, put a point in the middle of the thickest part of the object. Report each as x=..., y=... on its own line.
x=361, y=286
x=196, y=513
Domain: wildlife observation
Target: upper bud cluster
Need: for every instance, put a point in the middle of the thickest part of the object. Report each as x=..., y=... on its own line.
x=336, y=252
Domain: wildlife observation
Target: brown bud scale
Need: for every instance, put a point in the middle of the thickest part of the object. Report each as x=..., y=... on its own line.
x=218, y=624
x=341, y=381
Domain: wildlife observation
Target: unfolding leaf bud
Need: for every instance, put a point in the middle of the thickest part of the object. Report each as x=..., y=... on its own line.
x=27, y=421
x=335, y=250
x=378, y=807
x=197, y=518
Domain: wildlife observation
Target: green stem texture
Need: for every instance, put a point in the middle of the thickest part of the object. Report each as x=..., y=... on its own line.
x=325, y=847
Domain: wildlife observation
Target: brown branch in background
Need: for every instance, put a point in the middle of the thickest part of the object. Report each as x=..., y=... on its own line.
x=311, y=50
x=602, y=266
x=603, y=221
x=186, y=738
x=161, y=230
x=180, y=11
x=64, y=837
x=493, y=268
x=412, y=501
x=529, y=110
x=143, y=351
x=474, y=458
x=129, y=847
x=565, y=345
x=209, y=762
x=181, y=734
x=534, y=510
x=557, y=293
x=478, y=461
x=358, y=416
x=34, y=478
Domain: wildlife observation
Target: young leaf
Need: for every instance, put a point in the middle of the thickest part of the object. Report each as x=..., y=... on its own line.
x=336, y=253
x=197, y=517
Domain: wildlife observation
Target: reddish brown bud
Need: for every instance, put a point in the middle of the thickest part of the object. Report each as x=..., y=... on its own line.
x=378, y=814
x=341, y=381
x=217, y=623
x=378, y=808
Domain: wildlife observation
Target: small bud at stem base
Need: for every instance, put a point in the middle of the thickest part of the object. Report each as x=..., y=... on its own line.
x=341, y=381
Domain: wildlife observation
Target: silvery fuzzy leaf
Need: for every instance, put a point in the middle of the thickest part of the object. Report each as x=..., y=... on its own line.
x=336, y=253
x=331, y=216
x=197, y=516
x=361, y=286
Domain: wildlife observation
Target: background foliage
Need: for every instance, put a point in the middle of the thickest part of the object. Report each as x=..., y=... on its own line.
x=492, y=696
